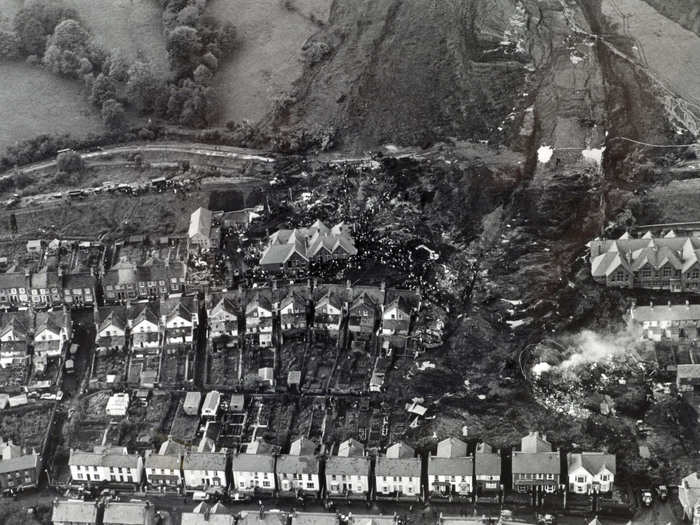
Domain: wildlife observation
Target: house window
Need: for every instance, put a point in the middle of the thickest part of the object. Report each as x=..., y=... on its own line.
x=580, y=479
x=667, y=272
x=604, y=477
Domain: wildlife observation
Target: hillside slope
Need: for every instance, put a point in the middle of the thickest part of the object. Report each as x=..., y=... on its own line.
x=410, y=72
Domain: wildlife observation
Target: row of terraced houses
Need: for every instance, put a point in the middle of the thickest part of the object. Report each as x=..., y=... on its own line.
x=348, y=473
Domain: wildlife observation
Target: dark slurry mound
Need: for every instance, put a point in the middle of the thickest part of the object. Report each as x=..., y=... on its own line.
x=408, y=72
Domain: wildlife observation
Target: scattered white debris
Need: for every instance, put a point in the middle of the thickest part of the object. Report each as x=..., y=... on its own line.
x=594, y=155
x=481, y=397
x=415, y=408
x=425, y=365
x=434, y=256
x=575, y=59
x=514, y=302
x=516, y=324
x=465, y=430
x=544, y=154
x=391, y=148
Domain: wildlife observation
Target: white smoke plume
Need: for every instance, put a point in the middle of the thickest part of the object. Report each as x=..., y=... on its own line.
x=584, y=348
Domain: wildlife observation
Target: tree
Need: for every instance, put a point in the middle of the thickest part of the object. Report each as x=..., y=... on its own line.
x=209, y=60
x=9, y=45
x=202, y=75
x=143, y=87
x=31, y=34
x=228, y=38
x=103, y=89
x=113, y=115
x=69, y=162
x=62, y=62
x=188, y=16
x=69, y=34
x=183, y=46
x=117, y=66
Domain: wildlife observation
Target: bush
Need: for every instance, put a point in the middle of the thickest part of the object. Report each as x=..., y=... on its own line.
x=103, y=89
x=69, y=162
x=9, y=45
x=113, y=115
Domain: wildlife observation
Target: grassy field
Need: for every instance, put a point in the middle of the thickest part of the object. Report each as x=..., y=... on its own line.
x=133, y=26
x=671, y=51
x=33, y=101
x=269, y=58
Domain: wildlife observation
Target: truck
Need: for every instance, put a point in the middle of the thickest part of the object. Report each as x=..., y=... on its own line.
x=647, y=498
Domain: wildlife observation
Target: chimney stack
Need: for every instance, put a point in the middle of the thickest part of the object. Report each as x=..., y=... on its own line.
x=687, y=304
x=348, y=285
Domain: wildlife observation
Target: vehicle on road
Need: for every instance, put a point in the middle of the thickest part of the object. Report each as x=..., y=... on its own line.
x=647, y=497
x=200, y=495
x=662, y=492
x=237, y=497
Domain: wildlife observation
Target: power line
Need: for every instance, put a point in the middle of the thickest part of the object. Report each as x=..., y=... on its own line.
x=655, y=145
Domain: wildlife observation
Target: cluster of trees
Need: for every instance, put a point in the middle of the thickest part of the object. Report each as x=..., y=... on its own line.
x=196, y=44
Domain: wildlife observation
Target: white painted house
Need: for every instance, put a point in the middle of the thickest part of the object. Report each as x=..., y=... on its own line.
x=591, y=472
x=50, y=334
x=223, y=319
x=106, y=464
x=145, y=331
x=258, y=320
x=297, y=472
x=347, y=474
x=328, y=312
x=203, y=470
x=396, y=317
x=450, y=470
x=398, y=474
x=180, y=323
x=253, y=472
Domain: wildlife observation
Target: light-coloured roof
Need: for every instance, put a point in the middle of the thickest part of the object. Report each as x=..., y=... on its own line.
x=290, y=464
x=253, y=463
x=200, y=223
x=678, y=312
x=128, y=513
x=17, y=463
x=72, y=511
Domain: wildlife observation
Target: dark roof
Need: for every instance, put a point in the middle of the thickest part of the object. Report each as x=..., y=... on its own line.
x=350, y=466
x=450, y=466
x=487, y=464
x=593, y=462
x=79, y=280
x=13, y=280
x=538, y=462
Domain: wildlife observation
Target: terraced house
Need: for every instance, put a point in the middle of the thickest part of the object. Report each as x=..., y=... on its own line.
x=19, y=468
x=14, y=338
x=223, y=317
x=127, y=280
x=297, y=472
x=675, y=322
x=347, y=473
x=254, y=472
x=106, y=464
x=669, y=262
x=450, y=470
x=535, y=466
x=398, y=473
x=164, y=468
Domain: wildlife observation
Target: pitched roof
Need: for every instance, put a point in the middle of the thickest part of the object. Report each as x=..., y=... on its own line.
x=351, y=448
x=258, y=300
x=593, y=462
x=253, y=463
x=457, y=466
x=13, y=280
x=329, y=298
x=224, y=305
x=451, y=448
x=16, y=463
x=400, y=450
x=363, y=300
x=47, y=321
x=487, y=463
x=16, y=326
x=169, y=461
x=688, y=371
x=73, y=511
x=290, y=464
x=205, y=514
x=350, y=466
x=678, y=312
x=302, y=446
x=108, y=458
x=204, y=461
x=280, y=253
x=404, y=467
x=200, y=223
x=538, y=462
x=128, y=513
x=113, y=318
x=83, y=280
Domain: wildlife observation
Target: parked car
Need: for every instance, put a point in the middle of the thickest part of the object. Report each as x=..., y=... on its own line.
x=647, y=498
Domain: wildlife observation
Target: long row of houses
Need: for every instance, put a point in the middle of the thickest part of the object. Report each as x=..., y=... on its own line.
x=451, y=472
x=368, y=310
